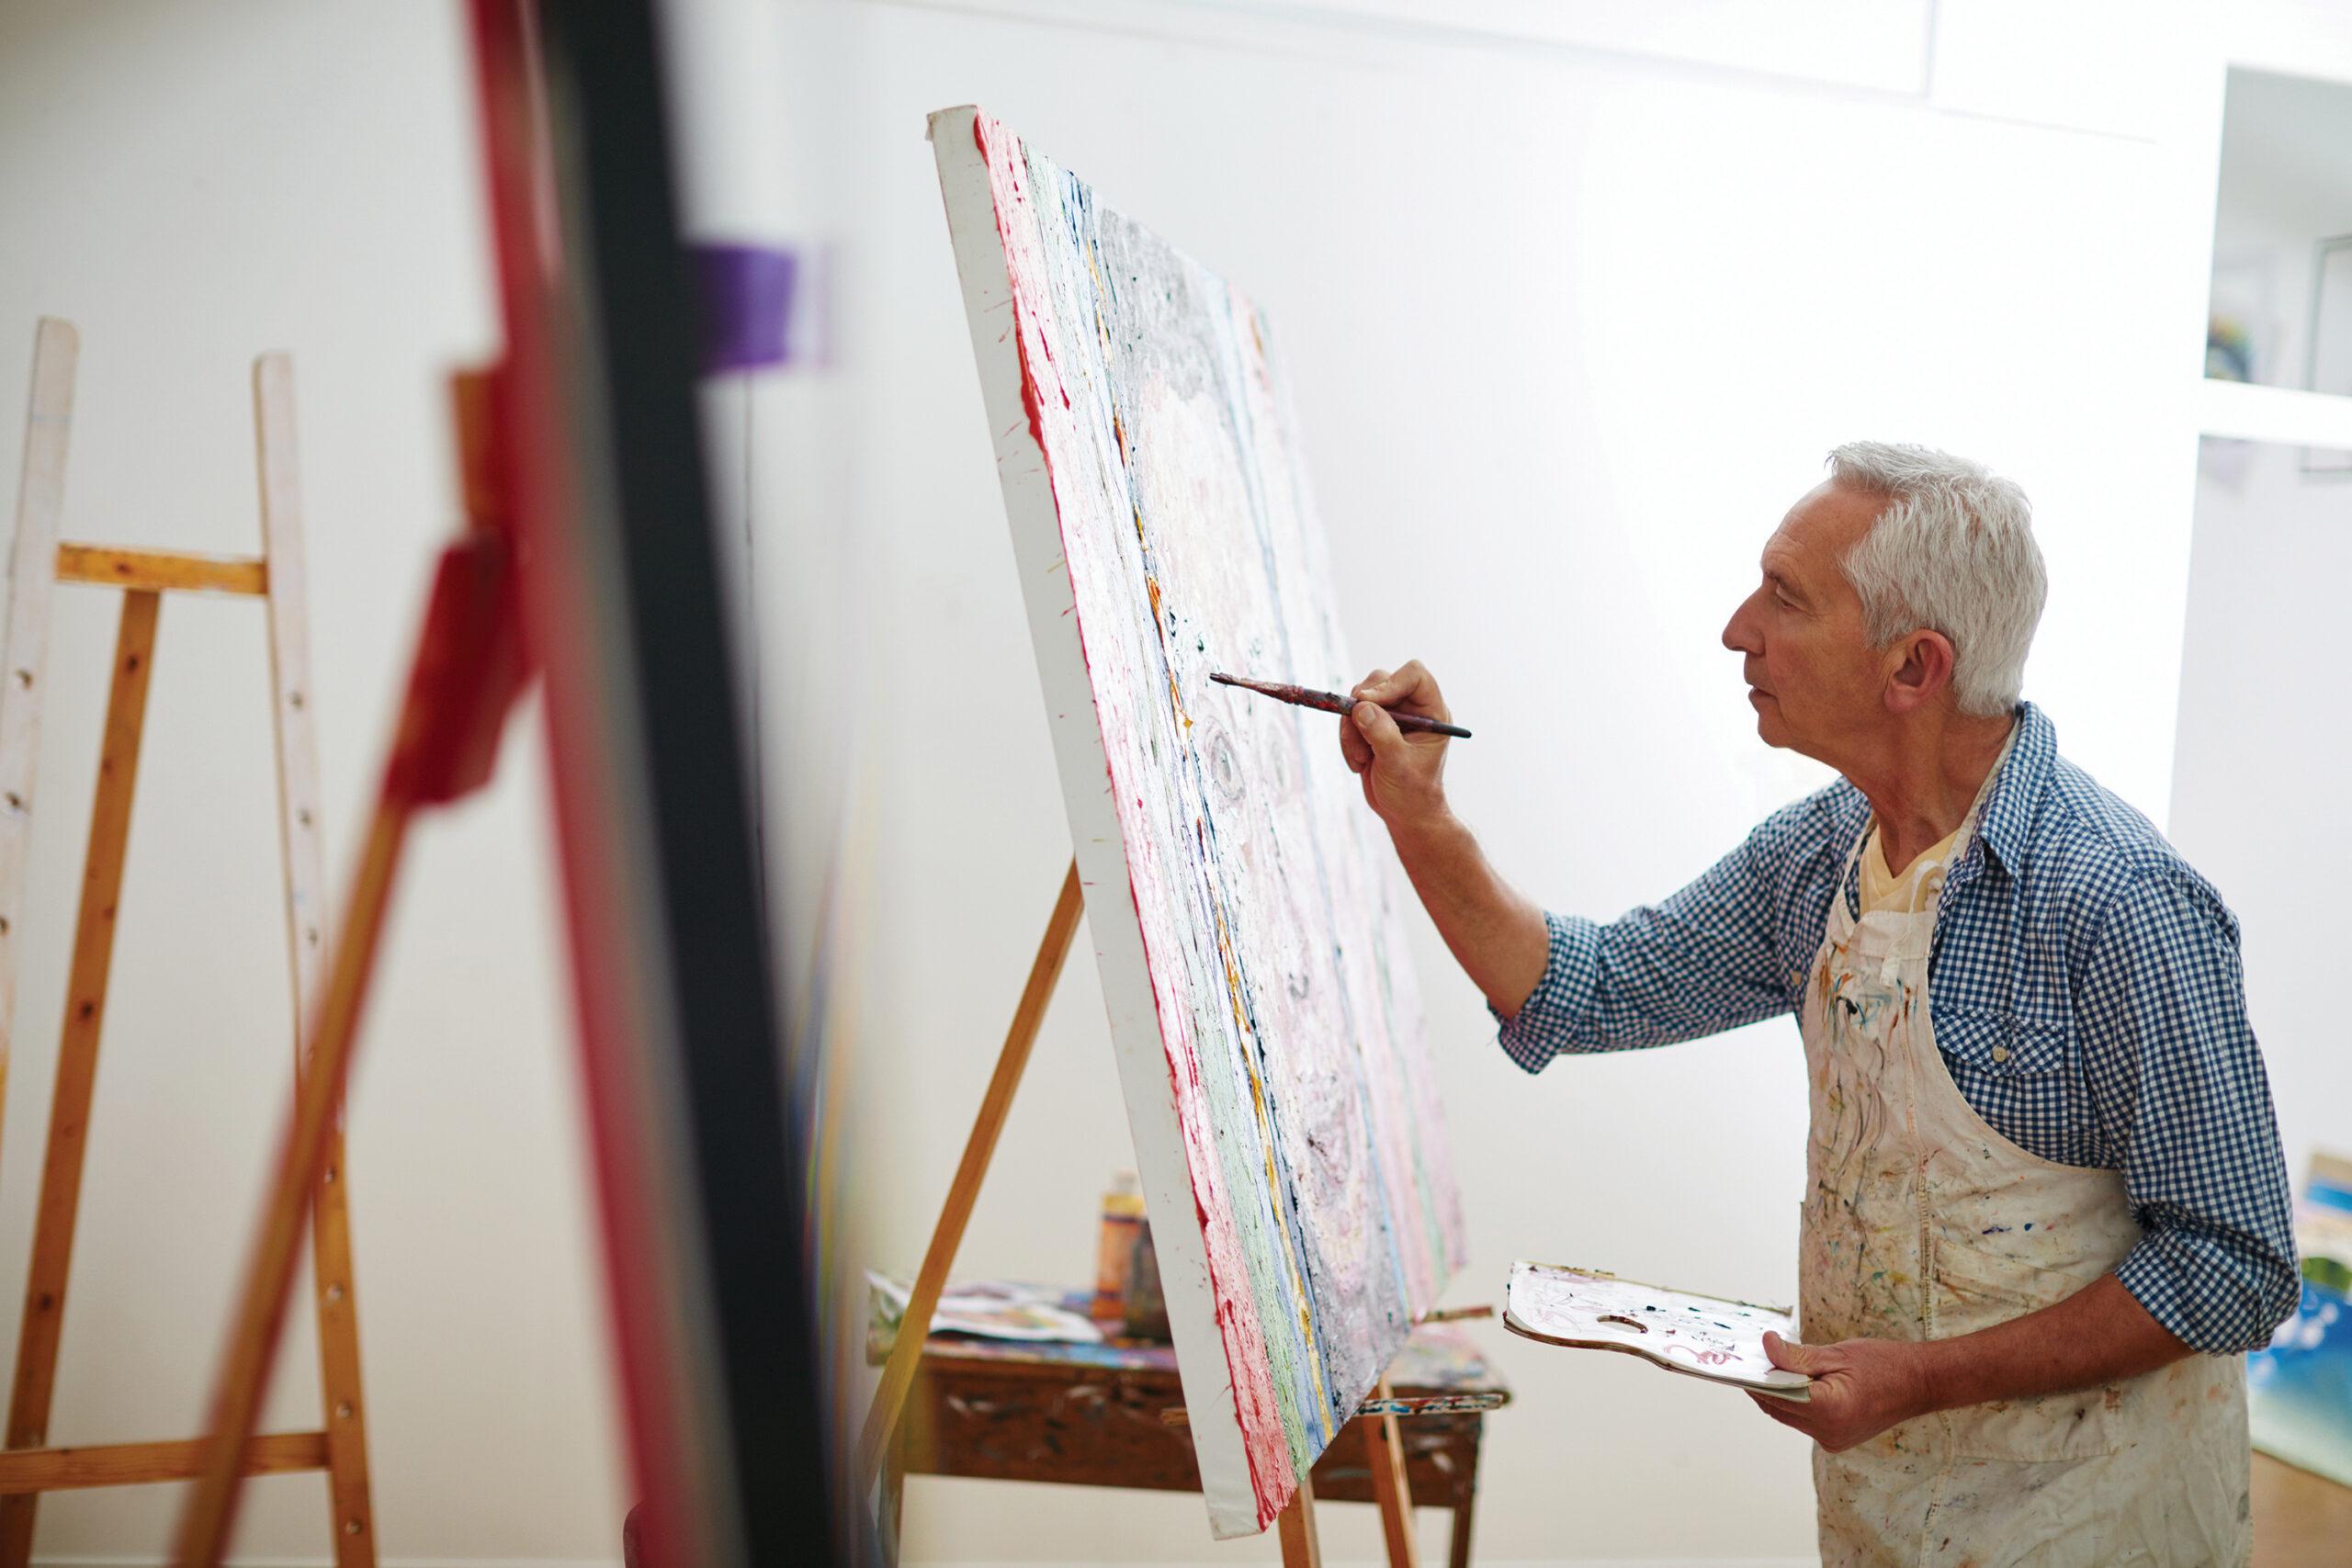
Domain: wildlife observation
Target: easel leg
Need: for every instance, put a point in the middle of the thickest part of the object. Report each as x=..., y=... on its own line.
x=261, y=1309
x=1384, y=1457
x=906, y=1352
x=350, y=1513
x=77, y=1063
x=24, y=680
x=1301, y=1547
x=1464, y=1517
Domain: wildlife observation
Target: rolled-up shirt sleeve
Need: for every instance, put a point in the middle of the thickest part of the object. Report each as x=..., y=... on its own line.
x=1701, y=962
x=2176, y=1080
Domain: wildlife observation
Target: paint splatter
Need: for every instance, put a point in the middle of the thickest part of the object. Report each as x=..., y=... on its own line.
x=1710, y=1336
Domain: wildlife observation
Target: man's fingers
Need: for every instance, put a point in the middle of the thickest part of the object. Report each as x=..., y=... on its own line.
x=1410, y=688
x=1399, y=771
x=1376, y=726
x=1793, y=1356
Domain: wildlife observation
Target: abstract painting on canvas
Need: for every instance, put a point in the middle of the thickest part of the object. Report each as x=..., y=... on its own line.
x=1238, y=895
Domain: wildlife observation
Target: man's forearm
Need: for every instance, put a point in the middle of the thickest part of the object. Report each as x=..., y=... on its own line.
x=1861, y=1387
x=2098, y=1335
x=1499, y=938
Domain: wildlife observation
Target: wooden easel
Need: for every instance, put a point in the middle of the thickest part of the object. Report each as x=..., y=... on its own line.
x=1295, y=1525
x=27, y=1467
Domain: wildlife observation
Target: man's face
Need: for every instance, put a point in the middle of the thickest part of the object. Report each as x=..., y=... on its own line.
x=1814, y=680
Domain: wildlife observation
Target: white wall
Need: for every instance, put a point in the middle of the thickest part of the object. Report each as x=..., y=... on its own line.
x=1572, y=298
x=2266, y=739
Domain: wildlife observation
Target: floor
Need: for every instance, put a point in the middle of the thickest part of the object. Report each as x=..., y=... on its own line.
x=2300, y=1520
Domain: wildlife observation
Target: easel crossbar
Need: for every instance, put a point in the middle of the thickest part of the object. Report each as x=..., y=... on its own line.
x=25, y=1471
x=158, y=570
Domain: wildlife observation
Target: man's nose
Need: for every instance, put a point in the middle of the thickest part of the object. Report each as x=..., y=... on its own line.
x=1735, y=635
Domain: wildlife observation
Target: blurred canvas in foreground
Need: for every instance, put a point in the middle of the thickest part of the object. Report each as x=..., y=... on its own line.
x=600, y=460
x=2298, y=1389
x=1261, y=998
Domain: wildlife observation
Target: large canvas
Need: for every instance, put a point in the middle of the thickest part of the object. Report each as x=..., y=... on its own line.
x=1261, y=998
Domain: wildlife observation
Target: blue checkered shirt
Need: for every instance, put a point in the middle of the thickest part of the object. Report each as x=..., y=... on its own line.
x=2072, y=935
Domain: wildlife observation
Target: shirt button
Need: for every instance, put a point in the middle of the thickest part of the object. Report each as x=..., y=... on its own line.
x=2000, y=1053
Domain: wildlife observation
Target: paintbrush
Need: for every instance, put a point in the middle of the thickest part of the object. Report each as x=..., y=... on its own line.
x=1405, y=1404
x=1332, y=702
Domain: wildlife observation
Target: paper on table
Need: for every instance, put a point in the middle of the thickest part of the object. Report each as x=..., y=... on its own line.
x=1705, y=1337
x=992, y=1309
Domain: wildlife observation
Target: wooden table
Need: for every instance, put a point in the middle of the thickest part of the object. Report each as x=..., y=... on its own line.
x=2301, y=1520
x=1089, y=1415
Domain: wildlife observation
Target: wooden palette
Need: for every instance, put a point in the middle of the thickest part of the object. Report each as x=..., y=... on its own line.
x=1702, y=1337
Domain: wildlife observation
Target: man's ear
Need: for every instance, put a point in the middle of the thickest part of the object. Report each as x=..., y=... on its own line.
x=1923, y=673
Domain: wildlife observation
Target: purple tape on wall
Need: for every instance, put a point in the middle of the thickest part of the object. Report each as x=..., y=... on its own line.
x=746, y=306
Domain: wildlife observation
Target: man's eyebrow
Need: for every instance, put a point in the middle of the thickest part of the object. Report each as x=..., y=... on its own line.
x=1780, y=579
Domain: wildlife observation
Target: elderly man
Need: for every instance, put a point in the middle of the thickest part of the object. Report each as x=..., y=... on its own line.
x=2045, y=1208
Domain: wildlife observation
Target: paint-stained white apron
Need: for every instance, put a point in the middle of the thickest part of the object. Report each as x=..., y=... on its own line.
x=1923, y=1223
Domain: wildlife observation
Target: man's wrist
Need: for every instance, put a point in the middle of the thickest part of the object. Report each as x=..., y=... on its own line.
x=1427, y=834
x=1930, y=1378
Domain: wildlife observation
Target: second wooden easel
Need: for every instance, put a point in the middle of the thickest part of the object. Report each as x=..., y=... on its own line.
x=28, y=1467
x=1383, y=1452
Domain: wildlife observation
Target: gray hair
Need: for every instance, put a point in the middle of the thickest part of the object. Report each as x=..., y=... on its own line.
x=1953, y=552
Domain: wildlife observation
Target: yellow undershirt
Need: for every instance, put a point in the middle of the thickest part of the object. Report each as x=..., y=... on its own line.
x=1883, y=891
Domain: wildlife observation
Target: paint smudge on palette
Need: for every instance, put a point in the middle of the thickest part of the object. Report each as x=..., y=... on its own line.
x=1707, y=1336
x=1248, y=928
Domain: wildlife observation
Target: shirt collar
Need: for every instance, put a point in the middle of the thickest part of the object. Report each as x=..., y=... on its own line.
x=2008, y=807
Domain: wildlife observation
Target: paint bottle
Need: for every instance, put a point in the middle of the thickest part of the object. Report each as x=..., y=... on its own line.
x=1122, y=1220
x=1144, y=1307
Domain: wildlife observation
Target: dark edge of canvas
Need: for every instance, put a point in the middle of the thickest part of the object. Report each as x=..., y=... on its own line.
x=653, y=551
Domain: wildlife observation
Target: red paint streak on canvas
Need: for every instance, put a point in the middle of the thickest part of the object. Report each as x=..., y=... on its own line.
x=1020, y=339
x=1264, y=1445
